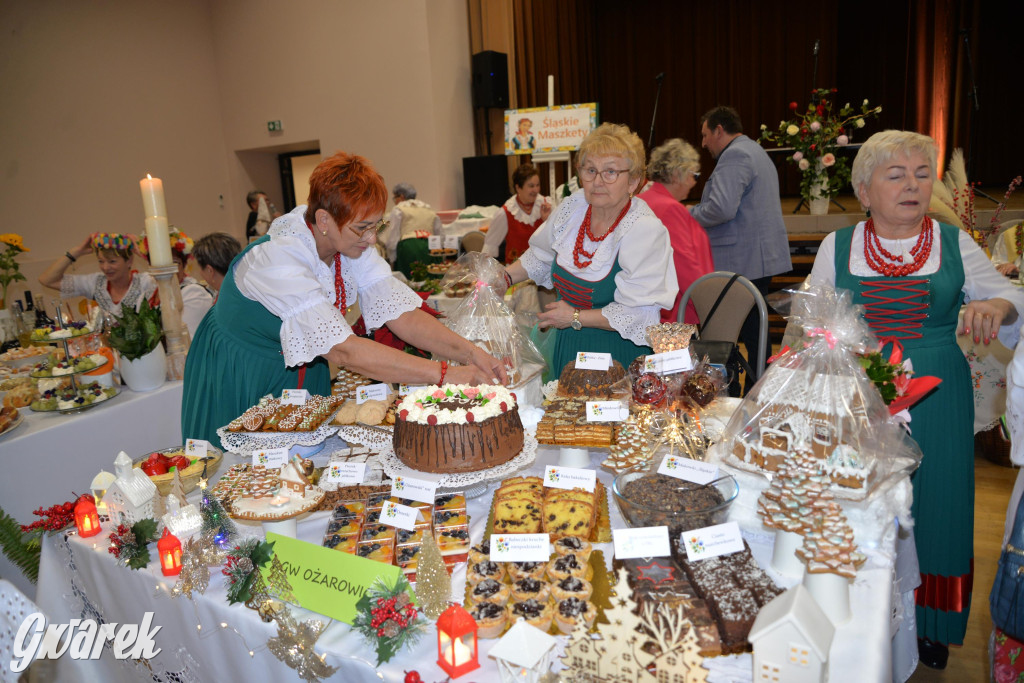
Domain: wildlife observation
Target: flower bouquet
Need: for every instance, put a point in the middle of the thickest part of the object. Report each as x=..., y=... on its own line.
x=815, y=135
x=9, y=271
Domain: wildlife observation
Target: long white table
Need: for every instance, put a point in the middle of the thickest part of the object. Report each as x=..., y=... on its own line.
x=80, y=579
x=52, y=454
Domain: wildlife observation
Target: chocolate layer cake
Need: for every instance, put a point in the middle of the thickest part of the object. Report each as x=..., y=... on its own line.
x=457, y=428
x=589, y=383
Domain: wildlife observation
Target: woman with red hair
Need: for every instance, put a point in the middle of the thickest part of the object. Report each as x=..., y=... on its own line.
x=280, y=315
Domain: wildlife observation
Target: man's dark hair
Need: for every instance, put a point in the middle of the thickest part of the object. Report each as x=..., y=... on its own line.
x=726, y=117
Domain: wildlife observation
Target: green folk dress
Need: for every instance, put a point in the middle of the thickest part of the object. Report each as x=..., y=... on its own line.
x=921, y=311
x=235, y=359
x=584, y=294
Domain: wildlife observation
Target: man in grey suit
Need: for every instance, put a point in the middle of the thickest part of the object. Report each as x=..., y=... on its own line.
x=740, y=211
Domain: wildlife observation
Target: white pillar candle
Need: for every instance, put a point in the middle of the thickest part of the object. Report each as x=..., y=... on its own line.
x=551, y=90
x=153, y=196
x=159, y=239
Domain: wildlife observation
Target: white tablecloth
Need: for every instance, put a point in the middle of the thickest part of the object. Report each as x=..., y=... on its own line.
x=52, y=454
x=79, y=580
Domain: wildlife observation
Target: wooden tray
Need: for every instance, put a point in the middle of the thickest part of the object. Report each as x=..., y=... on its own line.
x=601, y=597
x=601, y=533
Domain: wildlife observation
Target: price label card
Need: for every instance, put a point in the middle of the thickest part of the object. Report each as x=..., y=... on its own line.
x=406, y=389
x=421, y=490
x=372, y=392
x=451, y=242
x=434, y=242
x=647, y=541
x=349, y=473
x=196, y=448
x=271, y=458
x=296, y=397
x=669, y=363
x=569, y=478
x=520, y=547
x=401, y=516
x=712, y=541
x=606, y=411
x=591, y=360
x=689, y=470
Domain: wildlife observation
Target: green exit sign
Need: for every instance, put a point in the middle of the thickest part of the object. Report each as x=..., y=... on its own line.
x=273, y=126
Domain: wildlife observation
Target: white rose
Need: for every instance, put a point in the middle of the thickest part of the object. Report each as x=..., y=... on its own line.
x=865, y=102
x=804, y=164
x=842, y=141
x=859, y=123
x=764, y=127
x=798, y=155
x=828, y=160
x=792, y=130
x=879, y=109
x=815, y=126
x=846, y=106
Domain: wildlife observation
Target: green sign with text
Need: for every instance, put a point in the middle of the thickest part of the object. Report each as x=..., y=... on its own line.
x=328, y=581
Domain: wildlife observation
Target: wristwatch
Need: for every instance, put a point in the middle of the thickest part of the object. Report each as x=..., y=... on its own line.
x=576, y=324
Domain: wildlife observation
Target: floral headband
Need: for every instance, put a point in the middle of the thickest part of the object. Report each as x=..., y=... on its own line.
x=180, y=242
x=112, y=241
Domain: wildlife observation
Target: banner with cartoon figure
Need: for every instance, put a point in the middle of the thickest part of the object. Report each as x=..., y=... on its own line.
x=548, y=129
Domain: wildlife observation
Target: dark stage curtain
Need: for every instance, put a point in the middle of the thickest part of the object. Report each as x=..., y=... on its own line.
x=757, y=56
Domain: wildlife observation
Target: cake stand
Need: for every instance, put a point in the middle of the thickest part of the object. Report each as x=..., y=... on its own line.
x=472, y=484
x=279, y=520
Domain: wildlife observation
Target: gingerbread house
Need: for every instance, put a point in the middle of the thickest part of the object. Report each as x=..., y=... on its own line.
x=129, y=498
x=293, y=479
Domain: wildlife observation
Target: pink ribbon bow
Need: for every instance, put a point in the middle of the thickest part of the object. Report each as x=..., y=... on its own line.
x=822, y=332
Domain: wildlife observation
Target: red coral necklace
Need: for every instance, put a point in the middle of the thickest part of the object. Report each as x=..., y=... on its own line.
x=340, y=298
x=578, y=250
x=874, y=252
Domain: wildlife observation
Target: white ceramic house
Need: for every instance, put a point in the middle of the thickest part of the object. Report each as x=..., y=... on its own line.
x=181, y=521
x=130, y=497
x=524, y=653
x=791, y=637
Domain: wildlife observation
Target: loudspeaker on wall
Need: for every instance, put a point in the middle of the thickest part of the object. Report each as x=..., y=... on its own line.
x=490, y=79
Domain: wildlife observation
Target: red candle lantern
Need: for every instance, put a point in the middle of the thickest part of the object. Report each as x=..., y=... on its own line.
x=86, y=518
x=456, y=642
x=169, y=548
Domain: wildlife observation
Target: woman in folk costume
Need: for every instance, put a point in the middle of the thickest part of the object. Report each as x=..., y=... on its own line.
x=412, y=222
x=519, y=217
x=912, y=275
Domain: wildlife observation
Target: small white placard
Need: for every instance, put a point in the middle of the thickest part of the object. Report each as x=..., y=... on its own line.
x=606, y=411
x=520, y=547
x=414, y=489
x=406, y=389
x=569, y=478
x=669, y=362
x=434, y=242
x=451, y=242
x=271, y=458
x=372, y=392
x=401, y=516
x=712, y=541
x=350, y=473
x=196, y=448
x=645, y=541
x=592, y=360
x=295, y=397
x=689, y=470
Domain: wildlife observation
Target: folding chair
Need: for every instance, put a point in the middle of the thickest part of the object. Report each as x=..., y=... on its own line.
x=473, y=241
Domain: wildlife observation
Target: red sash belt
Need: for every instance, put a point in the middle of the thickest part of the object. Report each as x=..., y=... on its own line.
x=945, y=593
x=573, y=294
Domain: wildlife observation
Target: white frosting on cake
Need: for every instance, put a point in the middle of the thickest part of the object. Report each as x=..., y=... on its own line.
x=422, y=403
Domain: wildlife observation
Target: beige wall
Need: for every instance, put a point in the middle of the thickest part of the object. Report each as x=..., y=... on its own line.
x=100, y=93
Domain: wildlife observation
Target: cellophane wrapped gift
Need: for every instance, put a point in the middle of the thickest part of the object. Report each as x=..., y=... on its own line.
x=816, y=399
x=483, y=318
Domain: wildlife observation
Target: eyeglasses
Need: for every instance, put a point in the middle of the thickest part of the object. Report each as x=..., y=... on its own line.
x=375, y=229
x=609, y=175
x=695, y=174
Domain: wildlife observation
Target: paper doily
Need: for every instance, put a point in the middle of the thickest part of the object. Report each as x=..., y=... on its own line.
x=246, y=443
x=394, y=467
x=550, y=390
x=371, y=438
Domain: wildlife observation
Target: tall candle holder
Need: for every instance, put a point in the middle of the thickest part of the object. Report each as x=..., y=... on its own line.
x=175, y=333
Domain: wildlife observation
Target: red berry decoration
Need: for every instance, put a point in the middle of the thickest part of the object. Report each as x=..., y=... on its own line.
x=431, y=419
x=413, y=677
x=504, y=407
x=404, y=414
x=469, y=417
x=513, y=396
